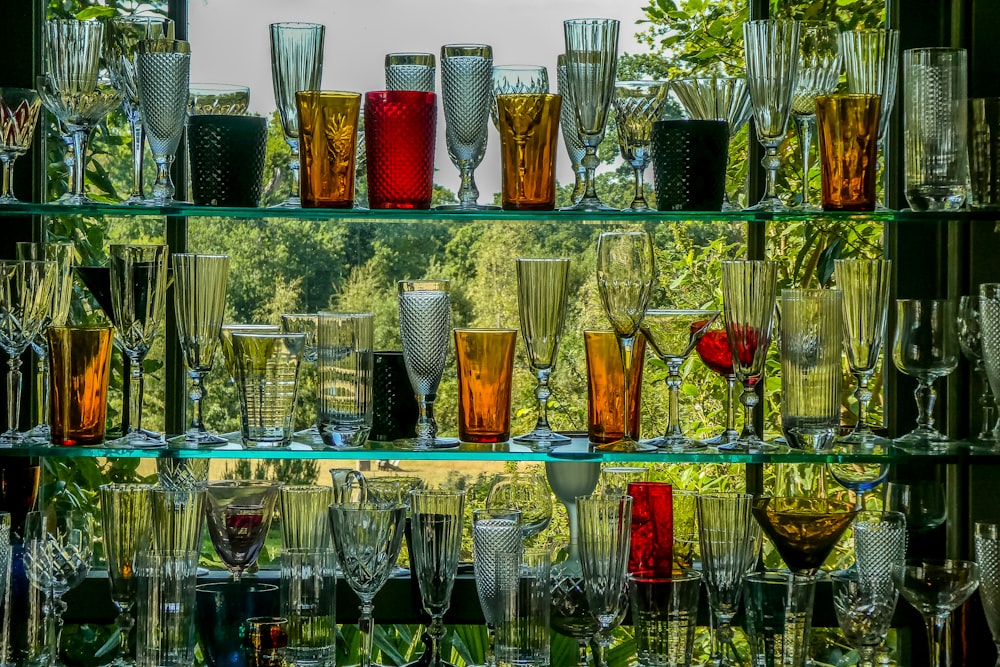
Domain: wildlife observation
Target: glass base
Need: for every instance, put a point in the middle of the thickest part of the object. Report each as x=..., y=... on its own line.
x=770, y=204
x=426, y=444
x=924, y=437
x=624, y=445
x=724, y=438
x=75, y=200
x=466, y=208
x=291, y=202
x=675, y=444
x=756, y=446
x=135, y=200
x=638, y=209
x=541, y=440
x=310, y=436
x=194, y=439
x=588, y=206
x=862, y=441
x=807, y=208
x=165, y=202
x=9, y=199
x=39, y=435
x=140, y=440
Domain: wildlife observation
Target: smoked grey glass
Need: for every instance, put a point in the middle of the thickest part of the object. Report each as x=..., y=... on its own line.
x=164, y=69
x=637, y=104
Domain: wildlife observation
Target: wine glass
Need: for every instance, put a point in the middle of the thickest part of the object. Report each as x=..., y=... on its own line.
x=864, y=613
x=542, y=294
x=772, y=56
x=614, y=480
x=936, y=588
x=19, y=111
x=570, y=613
x=571, y=132
x=713, y=350
x=219, y=99
x=865, y=284
x=25, y=293
x=625, y=272
x=970, y=340
x=200, y=301
x=138, y=298
x=987, y=546
x=637, y=104
x=859, y=477
x=716, y=98
x=749, y=289
x=517, y=80
x=818, y=72
x=296, y=64
x=425, y=327
x=466, y=87
x=125, y=523
x=803, y=530
x=926, y=348
x=591, y=65
x=673, y=335
x=239, y=515
x=605, y=538
x=526, y=492
x=123, y=36
x=367, y=537
x=493, y=532
x=58, y=548
x=921, y=502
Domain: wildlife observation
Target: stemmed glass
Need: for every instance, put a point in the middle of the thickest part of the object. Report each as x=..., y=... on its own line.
x=864, y=613
x=970, y=339
x=526, y=492
x=568, y=481
x=466, y=92
x=58, y=548
x=818, y=71
x=125, y=522
x=124, y=35
x=673, y=335
x=493, y=532
x=19, y=110
x=865, y=284
x=239, y=515
x=772, y=55
x=936, y=588
x=749, y=289
x=296, y=64
x=542, y=293
x=987, y=547
x=25, y=293
x=926, y=348
x=138, y=298
x=717, y=98
x=437, y=545
x=625, y=273
x=164, y=73
x=859, y=478
x=409, y=71
x=803, y=530
x=637, y=104
x=713, y=349
x=921, y=502
x=571, y=132
x=425, y=327
x=591, y=66
x=516, y=80
x=367, y=537
x=605, y=538
x=200, y=301
x=879, y=546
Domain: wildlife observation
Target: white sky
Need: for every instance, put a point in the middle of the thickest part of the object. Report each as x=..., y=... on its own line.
x=229, y=44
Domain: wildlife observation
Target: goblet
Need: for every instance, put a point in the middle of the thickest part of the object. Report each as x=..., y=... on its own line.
x=304, y=520
x=58, y=548
x=803, y=530
x=936, y=588
x=987, y=547
x=921, y=502
x=569, y=480
x=296, y=64
x=926, y=348
x=516, y=80
x=637, y=104
x=437, y=545
x=239, y=515
x=749, y=289
x=570, y=613
x=858, y=477
x=222, y=99
x=125, y=522
x=494, y=532
x=466, y=84
x=864, y=613
x=605, y=538
x=591, y=66
x=305, y=323
x=164, y=69
x=526, y=492
x=571, y=133
x=772, y=55
x=138, y=298
x=409, y=71
x=124, y=35
x=717, y=98
x=425, y=327
x=714, y=351
x=865, y=284
x=818, y=71
x=200, y=301
x=25, y=293
x=673, y=335
x=367, y=537
x=542, y=293
x=19, y=110
x=730, y=540
x=970, y=340
x=393, y=490
x=625, y=272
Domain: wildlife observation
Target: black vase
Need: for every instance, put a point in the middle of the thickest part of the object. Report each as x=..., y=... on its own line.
x=227, y=159
x=394, y=405
x=689, y=164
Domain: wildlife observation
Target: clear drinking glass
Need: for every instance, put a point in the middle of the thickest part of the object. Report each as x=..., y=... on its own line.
x=591, y=67
x=524, y=610
x=571, y=132
x=308, y=600
x=304, y=520
x=164, y=72
x=167, y=608
x=239, y=513
x=772, y=56
x=267, y=378
x=664, y=613
x=178, y=518
x=19, y=111
x=637, y=104
x=970, y=340
x=605, y=537
x=987, y=550
x=779, y=609
x=864, y=613
x=344, y=345
x=527, y=493
x=517, y=80
x=219, y=99
x=626, y=269
x=494, y=532
x=296, y=64
x=409, y=71
x=226, y=342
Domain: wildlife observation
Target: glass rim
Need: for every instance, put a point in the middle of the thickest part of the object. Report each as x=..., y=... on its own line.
x=591, y=21
x=328, y=94
x=326, y=315
x=223, y=586
x=686, y=574
x=779, y=577
x=297, y=25
x=203, y=88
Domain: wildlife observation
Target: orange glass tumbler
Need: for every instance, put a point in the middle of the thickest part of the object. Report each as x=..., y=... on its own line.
x=606, y=384
x=848, y=145
x=328, y=131
x=529, y=133
x=79, y=370
x=485, y=359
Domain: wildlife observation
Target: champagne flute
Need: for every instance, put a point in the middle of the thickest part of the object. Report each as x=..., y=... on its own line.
x=19, y=111
x=526, y=492
x=571, y=132
x=987, y=547
x=542, y=294
x=605, y=539
x=971, y=341
x=494, y=532
x=625, y=272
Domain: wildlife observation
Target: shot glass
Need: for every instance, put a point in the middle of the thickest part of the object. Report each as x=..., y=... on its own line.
x=165, y=621
x=400, y=128
x=529, y=133
x=605, y=384
x=308, y=598
x=665, y=615
x=778, y=617
x=79, y=370
x=344, y=397
x=652, y=541
x=485, y=360
x=267, y=377
x=328, y=131
x=523, y=608
x=848, y=150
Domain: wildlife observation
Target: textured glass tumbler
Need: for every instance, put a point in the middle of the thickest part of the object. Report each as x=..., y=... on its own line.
x=689, y=164
x=524, y=609
x=779, y=617
x=485, y=360
x=164, y=69
x=811, y=343
x=652, y=532
x=267, y=378
x=394, y=407
x=308, y=602
x=984, y=153
x=529, y=133
x=848, y=150
x=409, y=71
x=227, y=159
x=935, y=124
x=400, y=128
x=344, y=397
x=328, y=131
x=166, y=613
x=79, y=371
x=605, y=382
x=665, y=616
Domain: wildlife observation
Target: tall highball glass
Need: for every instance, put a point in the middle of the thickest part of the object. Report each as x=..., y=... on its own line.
x=164, y=69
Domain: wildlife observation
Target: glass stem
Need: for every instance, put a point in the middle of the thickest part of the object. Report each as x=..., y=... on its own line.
x=880, y=171
x=938, y=640
x=436, y=633
x=125, y=622
x=597, y=650
x=804, y=128
x=426, y=426
x=491, y=640
x=581, y=647
x=8, y=173
x=138, y=143
x=721, y=637
x=294, y=165
x=864, y=396
x=41, y=390
x=574, y=533
x=197, y=395
x=626, y=346
x=579, y=184
x=468, y=193
x=81, y=135
x=136, y=386
x=639, y=197
x=771, y=162
x=730, y=405
x=866, y=655
x=366, y=627
x=987, y=403
x=163, y=188
x=54, y=610
x=542, y=395
x=13, y=392
x=749, y=400
x=589, y=162
x=926, y=397
x=673, y=406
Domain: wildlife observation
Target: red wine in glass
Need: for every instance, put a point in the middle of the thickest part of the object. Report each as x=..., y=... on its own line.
x=715, y=353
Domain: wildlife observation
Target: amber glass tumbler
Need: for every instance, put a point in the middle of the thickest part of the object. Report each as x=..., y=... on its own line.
x=529, y=134
x=605, y=386
x=485, y=359
x=79, y=369
x=328, y=131
x=399, y=139
x=848, y=145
